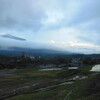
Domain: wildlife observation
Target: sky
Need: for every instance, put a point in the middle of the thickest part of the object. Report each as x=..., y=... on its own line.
x=72, y=25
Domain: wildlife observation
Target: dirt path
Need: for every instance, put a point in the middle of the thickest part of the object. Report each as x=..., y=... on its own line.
x=68, y=95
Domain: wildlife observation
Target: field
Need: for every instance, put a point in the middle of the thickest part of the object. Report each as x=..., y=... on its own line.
x=33, y=84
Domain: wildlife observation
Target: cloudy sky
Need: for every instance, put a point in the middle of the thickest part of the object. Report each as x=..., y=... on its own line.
x=72, y=25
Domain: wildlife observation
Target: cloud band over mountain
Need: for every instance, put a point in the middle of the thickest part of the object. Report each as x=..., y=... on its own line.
x=61, y=21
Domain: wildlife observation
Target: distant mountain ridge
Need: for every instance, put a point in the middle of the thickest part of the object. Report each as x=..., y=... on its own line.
x=12, y=47
x=12, y=37
x=17, y=51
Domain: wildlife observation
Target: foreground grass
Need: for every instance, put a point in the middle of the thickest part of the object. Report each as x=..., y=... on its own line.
x=57, y=93
x=85, y=70
x=91, y=97
x=26, y=75
x=36, y=72
x=76, y=89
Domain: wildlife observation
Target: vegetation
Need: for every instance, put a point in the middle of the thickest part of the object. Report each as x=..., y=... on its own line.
x=20, y=80
x=11, y=62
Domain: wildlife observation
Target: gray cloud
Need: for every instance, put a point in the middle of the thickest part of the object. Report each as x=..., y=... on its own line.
x=28, y=14
x=46, y=16
x=91, y=38
x=87, y=10
x=20, y=14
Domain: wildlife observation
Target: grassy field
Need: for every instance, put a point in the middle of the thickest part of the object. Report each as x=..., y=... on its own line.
x=33, y=84
x=57, y=93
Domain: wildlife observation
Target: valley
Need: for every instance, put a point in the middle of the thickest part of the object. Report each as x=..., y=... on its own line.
x=31, y=83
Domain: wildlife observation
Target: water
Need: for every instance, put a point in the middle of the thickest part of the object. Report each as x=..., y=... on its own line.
x=96, y=68
x=72, y=67
x=49, y=69
x=70, y=82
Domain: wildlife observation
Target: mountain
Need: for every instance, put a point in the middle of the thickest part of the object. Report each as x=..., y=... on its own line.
x=16, y=51
x=12, y=45
x=12, y=37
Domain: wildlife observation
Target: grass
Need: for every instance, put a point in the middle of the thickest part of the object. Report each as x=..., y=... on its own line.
x=57, y=93
x=60, y=92
x=36, y=72
x=85, y=70
x=91, y=97
x=79, y=92
x=27, y=75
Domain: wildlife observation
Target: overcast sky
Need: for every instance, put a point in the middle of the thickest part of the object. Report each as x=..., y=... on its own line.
x=69, y=24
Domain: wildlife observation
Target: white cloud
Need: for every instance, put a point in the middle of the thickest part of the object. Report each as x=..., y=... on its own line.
x=52, y=41
x=87, y=45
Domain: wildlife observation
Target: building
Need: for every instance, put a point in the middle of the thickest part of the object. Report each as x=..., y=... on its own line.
x=76, y=62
